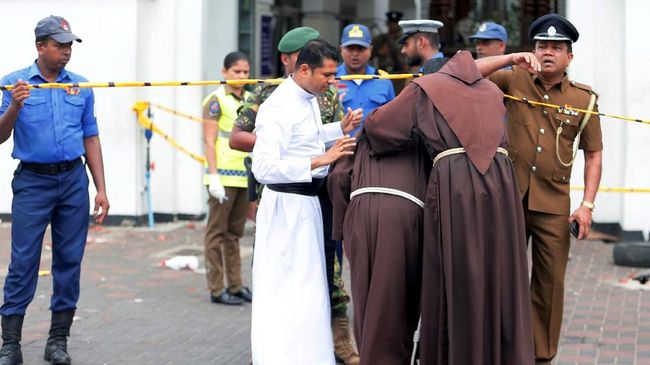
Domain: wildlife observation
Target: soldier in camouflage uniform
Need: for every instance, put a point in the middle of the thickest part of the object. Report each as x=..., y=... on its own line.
x=243, y=139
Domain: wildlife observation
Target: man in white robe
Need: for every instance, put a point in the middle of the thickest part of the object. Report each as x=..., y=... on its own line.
x=291, y=314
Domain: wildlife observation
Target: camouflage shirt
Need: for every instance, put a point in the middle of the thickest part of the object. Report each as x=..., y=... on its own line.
x=331, y=109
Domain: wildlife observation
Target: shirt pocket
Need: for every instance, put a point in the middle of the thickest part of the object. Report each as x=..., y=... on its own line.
x=562, y=174
x=379, y=99
x=73, y=108
x=570, y=126
x=35, y=110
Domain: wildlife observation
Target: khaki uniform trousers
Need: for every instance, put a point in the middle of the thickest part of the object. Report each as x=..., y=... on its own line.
x=224, y=229
x=550, y=246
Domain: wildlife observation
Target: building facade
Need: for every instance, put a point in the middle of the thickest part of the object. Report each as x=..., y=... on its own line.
x=165, y=40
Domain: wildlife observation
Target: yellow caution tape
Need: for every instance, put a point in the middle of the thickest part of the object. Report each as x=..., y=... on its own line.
x=604, y=189
x=539, y=103
x=277, y=81
x=181, y=114
x=140, y=107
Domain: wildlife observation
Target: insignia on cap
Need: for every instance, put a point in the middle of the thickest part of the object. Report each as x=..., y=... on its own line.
x=483, y=27
x=355, y=32
x=551, y=31
x=64, y=25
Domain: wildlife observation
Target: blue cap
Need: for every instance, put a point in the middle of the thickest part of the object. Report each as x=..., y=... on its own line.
x=356, y=34
x=490, y=30
x=57, y=28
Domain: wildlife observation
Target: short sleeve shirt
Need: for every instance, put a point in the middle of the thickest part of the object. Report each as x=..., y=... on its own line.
x=53, y=123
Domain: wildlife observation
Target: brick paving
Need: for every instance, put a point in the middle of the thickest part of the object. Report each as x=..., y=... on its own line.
x=132, y=311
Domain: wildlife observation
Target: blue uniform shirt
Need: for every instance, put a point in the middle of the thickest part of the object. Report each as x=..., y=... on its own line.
x=369, y=95
x=437, y=55
x=52, y=123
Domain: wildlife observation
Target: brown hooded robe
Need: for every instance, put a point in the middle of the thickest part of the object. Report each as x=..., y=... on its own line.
x=475, y=294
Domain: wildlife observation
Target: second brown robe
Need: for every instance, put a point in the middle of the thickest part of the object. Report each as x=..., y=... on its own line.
x=382, y=237
x=475, y=293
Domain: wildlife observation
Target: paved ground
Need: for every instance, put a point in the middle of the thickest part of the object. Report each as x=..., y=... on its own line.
x=134, y=312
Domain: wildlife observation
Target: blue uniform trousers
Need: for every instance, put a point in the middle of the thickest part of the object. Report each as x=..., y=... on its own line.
x=39, y=200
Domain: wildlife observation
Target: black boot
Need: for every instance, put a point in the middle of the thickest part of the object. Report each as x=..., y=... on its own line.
x=12, y=327
x=56, y=349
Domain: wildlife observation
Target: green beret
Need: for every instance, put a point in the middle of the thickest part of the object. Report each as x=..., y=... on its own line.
x=296, y=38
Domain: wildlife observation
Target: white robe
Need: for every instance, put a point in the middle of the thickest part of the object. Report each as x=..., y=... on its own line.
x=291, y=313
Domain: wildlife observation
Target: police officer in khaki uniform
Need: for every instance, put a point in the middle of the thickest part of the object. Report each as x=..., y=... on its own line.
x=542, y=149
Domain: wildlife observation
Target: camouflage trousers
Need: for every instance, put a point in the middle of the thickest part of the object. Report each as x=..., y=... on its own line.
x=339, y=298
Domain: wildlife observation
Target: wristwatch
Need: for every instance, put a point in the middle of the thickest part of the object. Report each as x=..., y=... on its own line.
x=588, y=205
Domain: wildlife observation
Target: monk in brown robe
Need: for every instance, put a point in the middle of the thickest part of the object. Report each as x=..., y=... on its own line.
x=385, y=264
x=475, y=297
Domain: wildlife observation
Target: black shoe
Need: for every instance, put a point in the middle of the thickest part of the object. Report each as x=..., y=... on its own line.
x=56, y=348
x=11, y=355
x=56, y=351
x=245, y=293
x=12, y=327
x=226, y=298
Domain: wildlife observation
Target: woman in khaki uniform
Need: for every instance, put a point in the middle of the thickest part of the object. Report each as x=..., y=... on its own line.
x=227, y=185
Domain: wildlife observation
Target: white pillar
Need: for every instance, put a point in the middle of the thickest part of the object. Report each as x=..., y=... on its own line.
x=604, y=71
x=322, y=16
x=637, y=155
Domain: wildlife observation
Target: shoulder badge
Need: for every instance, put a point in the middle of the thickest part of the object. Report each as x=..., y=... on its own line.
x=584, y=87
x=214, y=108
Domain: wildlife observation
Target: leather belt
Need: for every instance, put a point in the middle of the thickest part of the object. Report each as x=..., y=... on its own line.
x=51, y=168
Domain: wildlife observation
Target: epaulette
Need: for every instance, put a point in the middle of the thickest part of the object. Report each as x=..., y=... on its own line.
x=381, y=72
x=584, y=87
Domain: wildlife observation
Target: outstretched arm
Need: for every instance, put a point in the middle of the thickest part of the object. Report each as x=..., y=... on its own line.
x=525, y=60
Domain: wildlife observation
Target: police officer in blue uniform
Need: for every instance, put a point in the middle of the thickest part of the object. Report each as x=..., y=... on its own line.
x=52, y=129
x=356, y=49
x=490, y=39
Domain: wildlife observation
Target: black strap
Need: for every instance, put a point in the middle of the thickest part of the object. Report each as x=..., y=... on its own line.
x=51, y=168
x=309, y=189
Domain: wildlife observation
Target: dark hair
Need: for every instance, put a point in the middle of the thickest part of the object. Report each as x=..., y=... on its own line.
x=43, y=38
x=234, y=57
x=315, y=52
x=433, y=38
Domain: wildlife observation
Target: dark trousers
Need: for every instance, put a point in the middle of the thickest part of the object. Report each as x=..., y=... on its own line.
x=550, y=244
x=330, y=244
x=62, y=201
x=225, y=227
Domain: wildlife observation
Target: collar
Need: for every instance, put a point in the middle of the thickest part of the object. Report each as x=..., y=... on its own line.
x=35, y=71
x=562, y=85
x=437, y=55
x=240, y=98
x=343, y=70
x=304, y=94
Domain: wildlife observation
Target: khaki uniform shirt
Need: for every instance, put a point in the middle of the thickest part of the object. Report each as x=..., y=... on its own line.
x=532, y=133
